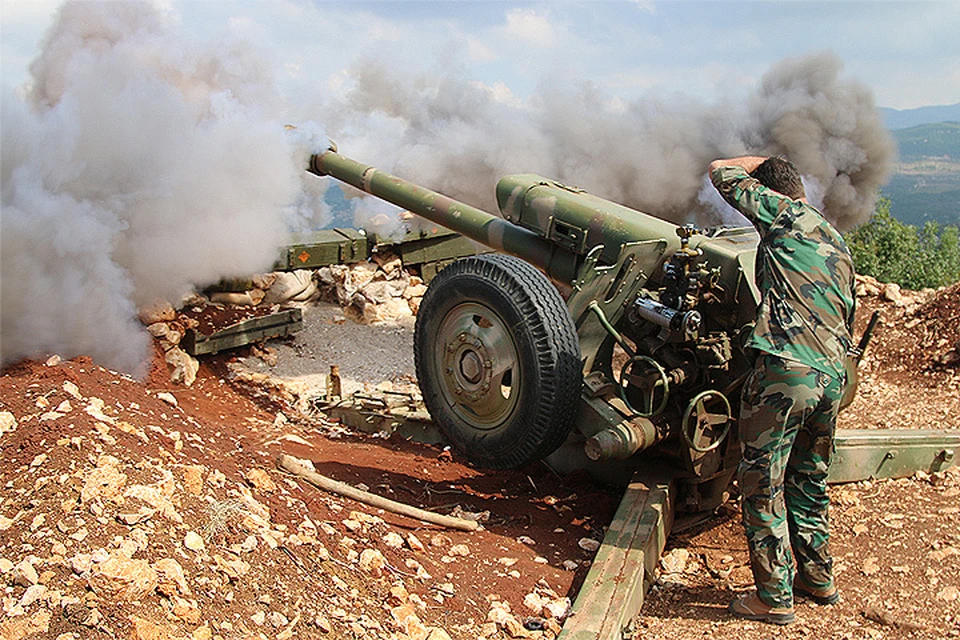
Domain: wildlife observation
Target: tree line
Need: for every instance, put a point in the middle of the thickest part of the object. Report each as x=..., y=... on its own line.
x=913, y=257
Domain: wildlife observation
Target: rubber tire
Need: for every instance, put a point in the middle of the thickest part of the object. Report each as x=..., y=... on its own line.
x=548, y=367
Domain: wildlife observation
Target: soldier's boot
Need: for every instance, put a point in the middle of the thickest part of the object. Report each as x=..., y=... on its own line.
x=820, y=595
x=751, y=607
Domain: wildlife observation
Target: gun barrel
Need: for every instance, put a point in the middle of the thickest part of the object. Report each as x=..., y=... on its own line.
x=476, y=224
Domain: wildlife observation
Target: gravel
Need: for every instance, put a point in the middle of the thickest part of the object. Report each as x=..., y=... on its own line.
x=367, y=355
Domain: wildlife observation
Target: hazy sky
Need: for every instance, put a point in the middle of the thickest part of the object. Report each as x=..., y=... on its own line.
x=906, y=52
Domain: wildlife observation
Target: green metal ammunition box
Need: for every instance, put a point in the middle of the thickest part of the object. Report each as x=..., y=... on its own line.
x=322, y=248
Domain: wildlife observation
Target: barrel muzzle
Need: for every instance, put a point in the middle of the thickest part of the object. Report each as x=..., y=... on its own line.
x=316, y=165
x=316, y=160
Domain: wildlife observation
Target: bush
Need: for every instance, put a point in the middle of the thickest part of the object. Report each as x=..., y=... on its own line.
x=892, y=251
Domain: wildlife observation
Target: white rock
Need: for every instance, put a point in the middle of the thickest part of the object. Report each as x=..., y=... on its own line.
x=81, y=563
x=72, y=389
x=588, y=544
x=38, y=521
x=675, y=560
x=123, y=578
x=414, y=542
x=261, y=480
x=891, y=292
x=24, y=574
x=8, y=422
x=158, y=311
x=278, y=620
x=33, y=594
x=184, y=366
x=167, y=397
x=171, y=578
x=558, y=609
x=193, y=541
x=249, y=544
x=372, y=561
x=570, y=565
x=949, y=594
x=393, y=540
x=534, y=603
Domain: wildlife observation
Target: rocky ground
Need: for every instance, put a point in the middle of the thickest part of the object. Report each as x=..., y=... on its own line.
x=154, y=509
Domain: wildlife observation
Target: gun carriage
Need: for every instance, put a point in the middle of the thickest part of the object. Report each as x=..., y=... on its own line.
x=604, y=338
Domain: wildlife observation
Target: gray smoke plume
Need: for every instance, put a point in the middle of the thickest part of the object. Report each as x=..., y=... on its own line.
x=459, y=137
x=139, y=166
x=829, y=128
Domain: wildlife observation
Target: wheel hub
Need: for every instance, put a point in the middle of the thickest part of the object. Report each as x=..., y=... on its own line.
x=471, y=367
x=478, y=359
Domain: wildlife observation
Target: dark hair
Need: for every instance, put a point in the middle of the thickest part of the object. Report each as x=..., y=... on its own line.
x=780, y=175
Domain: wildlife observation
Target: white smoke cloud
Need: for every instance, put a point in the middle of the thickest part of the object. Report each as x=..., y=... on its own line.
x=141, y=166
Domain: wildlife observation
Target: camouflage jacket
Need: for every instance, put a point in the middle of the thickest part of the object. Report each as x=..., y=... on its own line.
x=804, y=273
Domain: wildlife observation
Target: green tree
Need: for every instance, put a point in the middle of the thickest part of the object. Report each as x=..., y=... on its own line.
x=892, y=251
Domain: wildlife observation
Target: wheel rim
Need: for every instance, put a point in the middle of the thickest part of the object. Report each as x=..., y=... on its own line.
x=477, y=364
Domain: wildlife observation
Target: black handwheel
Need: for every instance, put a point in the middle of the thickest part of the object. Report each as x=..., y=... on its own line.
x=498, y=360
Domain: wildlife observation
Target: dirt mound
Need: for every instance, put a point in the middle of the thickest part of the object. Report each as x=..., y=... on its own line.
x=910, y=374
x=919, y=331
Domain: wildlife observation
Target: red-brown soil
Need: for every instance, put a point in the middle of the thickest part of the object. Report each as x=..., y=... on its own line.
x=283, y=559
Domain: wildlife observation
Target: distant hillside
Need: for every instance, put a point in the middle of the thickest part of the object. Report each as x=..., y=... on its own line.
x=903, y=118
x=941, y=140
x=926, y=184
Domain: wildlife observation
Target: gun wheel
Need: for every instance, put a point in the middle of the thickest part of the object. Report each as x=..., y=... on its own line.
x=498, y=361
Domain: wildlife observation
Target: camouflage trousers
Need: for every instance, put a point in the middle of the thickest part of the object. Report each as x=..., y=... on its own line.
x=787, y=421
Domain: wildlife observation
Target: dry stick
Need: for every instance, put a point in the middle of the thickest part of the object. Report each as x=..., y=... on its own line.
x=292, y=465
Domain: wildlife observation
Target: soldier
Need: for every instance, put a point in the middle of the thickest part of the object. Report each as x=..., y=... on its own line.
x=789, y=403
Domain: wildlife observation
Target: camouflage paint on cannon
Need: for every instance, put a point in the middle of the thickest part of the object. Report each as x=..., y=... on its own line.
x=628, y=364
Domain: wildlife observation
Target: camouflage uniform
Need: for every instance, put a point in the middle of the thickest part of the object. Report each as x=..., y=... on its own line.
x=789, y=403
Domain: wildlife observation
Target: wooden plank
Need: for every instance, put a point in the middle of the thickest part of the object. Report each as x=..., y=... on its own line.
x=622, y=570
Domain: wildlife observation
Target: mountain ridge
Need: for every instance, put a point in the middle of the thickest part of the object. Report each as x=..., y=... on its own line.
x=895, y=119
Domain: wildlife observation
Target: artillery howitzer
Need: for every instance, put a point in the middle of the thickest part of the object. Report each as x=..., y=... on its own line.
x=635, y=346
